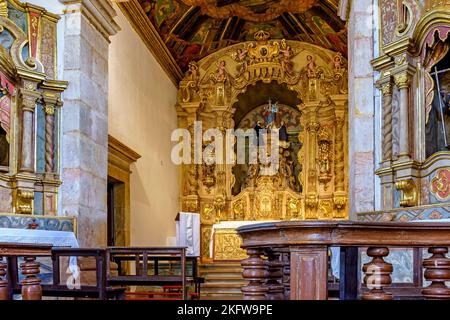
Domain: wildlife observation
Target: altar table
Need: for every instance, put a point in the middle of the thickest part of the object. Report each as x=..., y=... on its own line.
x=46, y=237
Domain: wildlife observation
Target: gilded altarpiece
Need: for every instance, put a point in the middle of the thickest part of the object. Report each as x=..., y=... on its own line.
x=30, y=103
x=415, y=88
x=308, y=185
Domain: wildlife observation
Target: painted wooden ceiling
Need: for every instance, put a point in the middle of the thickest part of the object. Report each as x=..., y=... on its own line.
x=192, y=29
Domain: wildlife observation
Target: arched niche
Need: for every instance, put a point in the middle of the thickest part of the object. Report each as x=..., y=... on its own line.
x=222, y=88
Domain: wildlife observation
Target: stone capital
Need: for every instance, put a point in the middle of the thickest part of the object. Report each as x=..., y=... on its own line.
x=100, y=13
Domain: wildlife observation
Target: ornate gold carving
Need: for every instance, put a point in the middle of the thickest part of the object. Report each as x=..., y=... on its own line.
x=24, y=201
x=208, y=93
x=189, y=84
x=4, y=8
x=325, y=156
x=227, y=245
x=402, y=80
x=408, y=191
x=340, y=202
x=326, y=209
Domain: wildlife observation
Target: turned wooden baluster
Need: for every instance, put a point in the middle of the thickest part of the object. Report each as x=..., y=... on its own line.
x=437, y=270
x=286, y=258
x=255, y=270
x=31, y=284
x=274, y=282
x=377, y=275
x=4, y=295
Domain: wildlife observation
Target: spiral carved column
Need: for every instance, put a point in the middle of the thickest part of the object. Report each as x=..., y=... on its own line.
x=49, y=138
x=339, y=158
x=386, y=89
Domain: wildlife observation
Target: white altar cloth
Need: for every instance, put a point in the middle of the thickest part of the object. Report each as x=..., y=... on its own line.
x=188, y=232
x=55, y=238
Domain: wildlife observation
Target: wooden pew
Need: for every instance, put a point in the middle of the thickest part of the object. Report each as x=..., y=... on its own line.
x=142, y=258
x=289, y=260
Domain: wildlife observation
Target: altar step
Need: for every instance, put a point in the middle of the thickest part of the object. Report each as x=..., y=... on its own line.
x=222, y=281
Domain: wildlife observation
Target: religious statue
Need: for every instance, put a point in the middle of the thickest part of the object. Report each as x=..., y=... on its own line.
x=259, y=141
x=283, y=135
x=286, y=63
x=192, y=73
x=221, y=73
x=337, y=62
x=271, y=112
x=241, y=56
x=311, y=66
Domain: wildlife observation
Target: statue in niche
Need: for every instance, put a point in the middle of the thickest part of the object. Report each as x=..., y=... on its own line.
x=438, y=109
x=4, y=148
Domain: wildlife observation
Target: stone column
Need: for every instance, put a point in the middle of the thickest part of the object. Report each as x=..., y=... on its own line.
x=402, y=81
x=88, y=26
x=361, y=108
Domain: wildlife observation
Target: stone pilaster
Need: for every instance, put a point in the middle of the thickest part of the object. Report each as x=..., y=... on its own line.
x=361, y=108
x=88, y=26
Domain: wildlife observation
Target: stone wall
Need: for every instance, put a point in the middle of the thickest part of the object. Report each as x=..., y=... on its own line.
x=142, y=116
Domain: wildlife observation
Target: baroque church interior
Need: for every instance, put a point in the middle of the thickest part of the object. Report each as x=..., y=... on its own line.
x=120, y=147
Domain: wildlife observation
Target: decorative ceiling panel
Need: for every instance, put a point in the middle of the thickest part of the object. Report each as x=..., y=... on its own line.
x=193, y=29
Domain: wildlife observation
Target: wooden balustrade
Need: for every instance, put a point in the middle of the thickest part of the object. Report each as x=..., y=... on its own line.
x=301, y=272
x=31, y=284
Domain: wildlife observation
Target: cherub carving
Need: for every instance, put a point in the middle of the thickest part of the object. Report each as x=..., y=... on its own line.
x=221, y=73
x=337, y=62
x=241, y=56
x=193, y=72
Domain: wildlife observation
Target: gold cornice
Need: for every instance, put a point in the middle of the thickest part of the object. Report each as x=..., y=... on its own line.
x=149, y=35
x=382, y=62
x=402, y=45
x=124, y=152
x=439, y=16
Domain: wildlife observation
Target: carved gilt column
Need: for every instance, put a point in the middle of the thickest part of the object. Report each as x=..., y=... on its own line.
x=312, y=127
x=51, y=100
x=386, y=90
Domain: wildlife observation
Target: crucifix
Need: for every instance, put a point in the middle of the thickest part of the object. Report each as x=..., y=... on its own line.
x=441, y=102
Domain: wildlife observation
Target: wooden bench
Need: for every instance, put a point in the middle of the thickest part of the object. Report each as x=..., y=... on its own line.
x=146, y=257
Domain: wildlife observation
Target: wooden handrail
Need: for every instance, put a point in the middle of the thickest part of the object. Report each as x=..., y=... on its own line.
x=31, y=284
x=305, y=245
